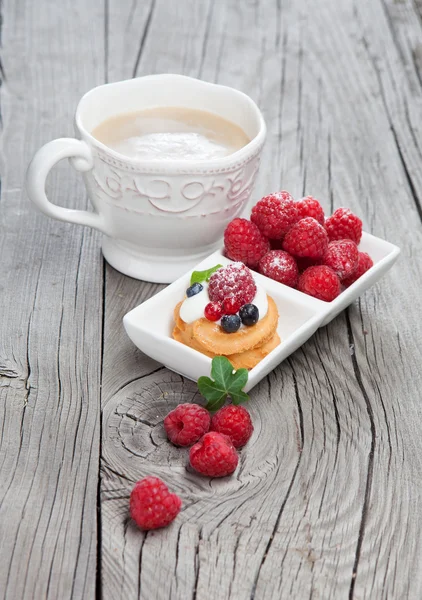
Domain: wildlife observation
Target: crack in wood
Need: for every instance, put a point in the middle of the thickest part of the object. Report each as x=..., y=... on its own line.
x=8, y=372
x=99, y=540
x=412, y=189
x=414, y=194
x=197, y=564
x=138, y=378
x=370, y=463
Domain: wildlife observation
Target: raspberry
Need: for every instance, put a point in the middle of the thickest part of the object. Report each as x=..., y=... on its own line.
x=306, y=238
x=275, y=214
x=231, y=305
x=364, y=264
x=343, y=224
x=213, y=311
x=280, y=266
x=243, y=241
x=342, y=256
x=320, y=282
x=152, y=505
x=234, y=280
x=186, y=424
x=235, y=422
x=309, y=207
x=214, y=455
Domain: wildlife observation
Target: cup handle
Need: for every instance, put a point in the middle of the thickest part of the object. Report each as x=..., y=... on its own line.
x=80, y=156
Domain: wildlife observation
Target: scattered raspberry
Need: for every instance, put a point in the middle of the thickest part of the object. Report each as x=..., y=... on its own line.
x=231, y=305
x=214, y=455
x=186, y=424
x=275, y=214
x=234, y=280
x=152, y=505
x=320, y=282
x=365, y=262
x=243, y=241
x=306, y=238
x=309, y=207
x=343, y=224
x=213, y=311
x=342, y=256
x=280, y=266
x=235, y=422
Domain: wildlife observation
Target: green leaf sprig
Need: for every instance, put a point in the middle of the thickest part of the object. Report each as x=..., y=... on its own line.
x=200, y=276
x=225, y=381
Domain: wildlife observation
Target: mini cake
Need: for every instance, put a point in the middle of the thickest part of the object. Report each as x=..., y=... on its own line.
x=225, y=313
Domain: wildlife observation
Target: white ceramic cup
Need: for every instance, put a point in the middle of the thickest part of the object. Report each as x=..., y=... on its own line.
x=159, y=218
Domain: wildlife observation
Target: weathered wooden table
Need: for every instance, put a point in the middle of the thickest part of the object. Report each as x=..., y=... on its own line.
x=327, y=500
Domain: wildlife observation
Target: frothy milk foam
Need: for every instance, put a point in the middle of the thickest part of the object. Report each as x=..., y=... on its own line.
x=171, y=133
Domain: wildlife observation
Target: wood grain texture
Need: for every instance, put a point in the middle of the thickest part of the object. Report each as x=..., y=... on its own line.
x=325, y=503
x=326, y=500
x=51, y=317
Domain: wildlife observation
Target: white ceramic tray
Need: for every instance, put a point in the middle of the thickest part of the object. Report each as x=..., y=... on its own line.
x=150, y=324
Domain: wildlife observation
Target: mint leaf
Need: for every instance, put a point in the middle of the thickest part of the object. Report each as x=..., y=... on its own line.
x=239, y=397
x=212, y=392
x=200, y=276
x=225, y=382
x=222, y=372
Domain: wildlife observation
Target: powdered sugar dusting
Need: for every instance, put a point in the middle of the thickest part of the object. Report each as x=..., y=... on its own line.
x=234, y=280
x=276, y=262
x=342, y=256
x=283, y=196
x=280, y=266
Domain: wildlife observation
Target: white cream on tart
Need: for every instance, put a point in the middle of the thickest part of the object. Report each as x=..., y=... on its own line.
x=193, y=308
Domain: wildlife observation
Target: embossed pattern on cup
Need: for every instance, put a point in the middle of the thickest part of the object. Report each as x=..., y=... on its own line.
x=159, y=217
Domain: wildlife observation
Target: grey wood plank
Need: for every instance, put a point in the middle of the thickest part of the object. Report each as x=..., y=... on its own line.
x=50, y=313
x=326, y=500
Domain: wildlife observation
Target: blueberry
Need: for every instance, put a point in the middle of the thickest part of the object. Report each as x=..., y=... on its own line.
x=194, y=289
x=249, y=314
x=230, y=323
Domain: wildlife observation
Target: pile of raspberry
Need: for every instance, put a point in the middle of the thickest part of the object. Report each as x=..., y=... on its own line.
x=294, y=244
x=214, y=442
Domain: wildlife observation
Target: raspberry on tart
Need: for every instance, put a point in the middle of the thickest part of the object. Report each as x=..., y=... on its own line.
x=235, y=280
